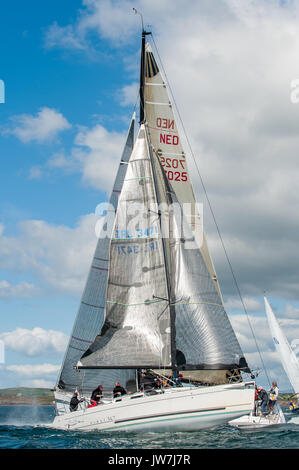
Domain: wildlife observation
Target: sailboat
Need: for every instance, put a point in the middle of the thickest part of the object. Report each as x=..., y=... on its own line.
x=152, y=300
x=286, y=354
x=256, y=420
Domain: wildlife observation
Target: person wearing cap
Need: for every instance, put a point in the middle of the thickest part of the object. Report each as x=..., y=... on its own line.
x=96, y=395
x=118, y=390
x=263, y=396
x=75, y=401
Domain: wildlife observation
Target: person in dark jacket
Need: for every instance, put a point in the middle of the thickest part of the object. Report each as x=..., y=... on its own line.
x=75, y=401
x=147, y=382
x=118, y=390
x=96, y=395
x=263, y=396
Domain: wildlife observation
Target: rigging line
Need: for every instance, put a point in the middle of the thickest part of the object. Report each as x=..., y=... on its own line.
x=211, y=209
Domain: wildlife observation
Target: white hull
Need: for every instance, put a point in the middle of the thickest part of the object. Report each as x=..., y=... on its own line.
x=177, y=409
x=251, y=422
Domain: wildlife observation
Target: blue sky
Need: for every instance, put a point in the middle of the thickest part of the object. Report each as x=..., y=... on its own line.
x=70, y=70
x=84, y=90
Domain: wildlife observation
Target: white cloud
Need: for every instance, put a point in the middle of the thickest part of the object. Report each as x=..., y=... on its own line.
x=252, y=305
x=35, y=342
x=31, y=370
x=95, y=155
x=66, y=37
x=35, y=173
x=129, y=94
x=44, y=126
x=38, y=383
x=291, y=312
x=111, y=20
x=102, y=151
x=59, y=256
x=22, y=290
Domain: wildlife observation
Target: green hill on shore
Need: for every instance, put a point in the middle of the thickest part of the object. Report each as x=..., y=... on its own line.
x=45, y=397
x=26, y=396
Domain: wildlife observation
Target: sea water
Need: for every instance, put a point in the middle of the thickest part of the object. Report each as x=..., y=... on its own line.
x=26, y=427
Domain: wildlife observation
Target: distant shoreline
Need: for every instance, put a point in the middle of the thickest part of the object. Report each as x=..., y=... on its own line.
x=45, y=397
x=26, y=404
x=23, y=396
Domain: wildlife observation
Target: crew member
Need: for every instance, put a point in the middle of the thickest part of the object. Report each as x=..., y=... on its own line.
x=118, y=390
x=96, y=395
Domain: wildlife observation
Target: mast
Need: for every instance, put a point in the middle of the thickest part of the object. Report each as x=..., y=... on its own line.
x=142, y=74
x=166, y=260
x=167, y=267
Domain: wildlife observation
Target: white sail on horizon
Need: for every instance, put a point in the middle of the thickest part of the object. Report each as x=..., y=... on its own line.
x=286, y=354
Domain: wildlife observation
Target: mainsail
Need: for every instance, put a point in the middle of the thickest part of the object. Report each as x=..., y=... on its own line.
x=162, y=308
x=90, y=315
x=285, y=352
x=136, y=330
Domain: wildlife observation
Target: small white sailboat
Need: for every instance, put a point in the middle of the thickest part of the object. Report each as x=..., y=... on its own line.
x=256, y=420
x=286, y=354
x=152, y=298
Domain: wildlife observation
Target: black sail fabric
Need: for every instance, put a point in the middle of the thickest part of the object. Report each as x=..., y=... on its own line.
x=136, y=331
x=90, y=315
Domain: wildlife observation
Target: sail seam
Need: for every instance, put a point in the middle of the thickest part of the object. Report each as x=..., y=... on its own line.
x=170, y=153
x=155, y=84
x=77, y=349
x=132, y=305
x=139, y=160
x=80, y=339
x=100, y=269
x=161, y=129
x=90, y=305
x=196, y=303
x=139, y=178
x=135, y=238
x=159, y=104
